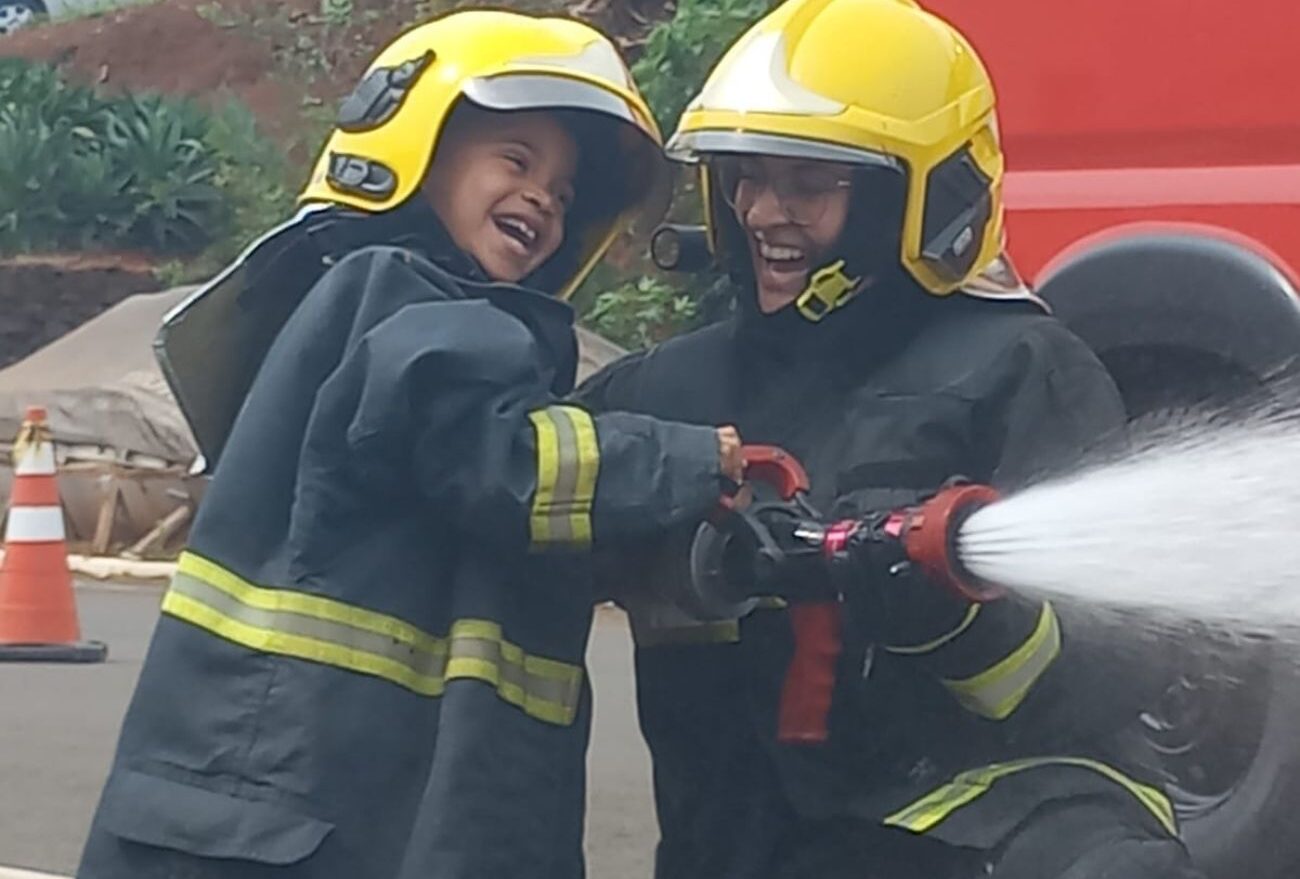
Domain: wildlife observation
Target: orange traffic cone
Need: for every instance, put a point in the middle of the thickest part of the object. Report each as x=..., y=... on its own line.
x=38, y=612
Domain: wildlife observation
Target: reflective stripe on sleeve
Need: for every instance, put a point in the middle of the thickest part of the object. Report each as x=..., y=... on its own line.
x=997, y=692
x=929, y=811
x=568, y=460
x=722, y=632
x=931, y=646
x=331, y=632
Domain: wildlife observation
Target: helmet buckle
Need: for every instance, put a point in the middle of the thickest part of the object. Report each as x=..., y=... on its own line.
x=828, y=289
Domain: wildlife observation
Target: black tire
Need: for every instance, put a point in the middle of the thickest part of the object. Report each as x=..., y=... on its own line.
x=17, y=14
x=1252, y=831
x=1179, y=319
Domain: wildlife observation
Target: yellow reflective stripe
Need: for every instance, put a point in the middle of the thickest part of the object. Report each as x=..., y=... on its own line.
x=997, y=692
x=333, y=633
x=724, y=632
x=931, y=646
x=588, y=469
x=544, y=688
x=932, y=809
x=568, y=461
x=305, y=647
x=304, y=604
x=548, y=468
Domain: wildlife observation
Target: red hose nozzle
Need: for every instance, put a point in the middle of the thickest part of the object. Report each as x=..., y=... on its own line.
x=929, y=536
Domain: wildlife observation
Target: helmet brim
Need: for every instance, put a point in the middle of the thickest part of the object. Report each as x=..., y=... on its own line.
x=697, y=146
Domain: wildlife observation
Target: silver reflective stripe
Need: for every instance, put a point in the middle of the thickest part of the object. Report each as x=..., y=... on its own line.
x=568, y=458
x=930, y=646
x=422, y=662
x=330, y=632
x=566, y=477
x=998, y=691
x=936, y=806
x=513, y=670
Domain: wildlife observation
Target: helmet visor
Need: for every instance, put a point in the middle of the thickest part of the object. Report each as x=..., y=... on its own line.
x=697, y=146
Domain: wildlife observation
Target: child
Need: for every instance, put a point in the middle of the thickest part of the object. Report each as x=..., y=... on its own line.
x=367, y=622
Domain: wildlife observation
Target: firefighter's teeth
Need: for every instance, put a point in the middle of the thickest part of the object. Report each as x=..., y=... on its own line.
x=777, y=253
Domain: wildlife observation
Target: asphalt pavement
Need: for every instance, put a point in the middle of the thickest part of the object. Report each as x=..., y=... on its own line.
x=59, y=723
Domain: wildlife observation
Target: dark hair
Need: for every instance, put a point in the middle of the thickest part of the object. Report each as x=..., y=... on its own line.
x=602, y=189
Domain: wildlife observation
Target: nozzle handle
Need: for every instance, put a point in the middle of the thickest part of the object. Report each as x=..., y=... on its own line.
x=810, y=678
x=777, y=467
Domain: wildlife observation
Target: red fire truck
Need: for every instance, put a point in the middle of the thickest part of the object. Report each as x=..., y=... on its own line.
x=1153, y=196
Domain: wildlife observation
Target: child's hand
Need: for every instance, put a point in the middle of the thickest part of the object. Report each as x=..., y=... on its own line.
x=730, y=454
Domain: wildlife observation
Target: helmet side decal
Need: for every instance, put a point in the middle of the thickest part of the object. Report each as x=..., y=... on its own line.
x=958, y=205
x=358, y=175
x=378, y=96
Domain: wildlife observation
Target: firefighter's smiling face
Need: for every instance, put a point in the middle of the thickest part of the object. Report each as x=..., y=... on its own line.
x=502, y=183
x=792, y=212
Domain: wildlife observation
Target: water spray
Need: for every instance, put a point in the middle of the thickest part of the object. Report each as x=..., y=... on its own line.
x=1197, y=520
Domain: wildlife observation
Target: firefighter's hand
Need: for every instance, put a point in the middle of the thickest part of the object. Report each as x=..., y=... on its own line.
x=730, y=454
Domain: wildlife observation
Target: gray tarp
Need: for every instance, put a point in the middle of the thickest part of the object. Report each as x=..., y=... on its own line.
x=102, y=387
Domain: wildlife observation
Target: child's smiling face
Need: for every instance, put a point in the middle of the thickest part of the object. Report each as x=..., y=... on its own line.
x=502, y=183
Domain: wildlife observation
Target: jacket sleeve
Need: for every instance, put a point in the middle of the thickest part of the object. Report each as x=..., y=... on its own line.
x=1020, y=660
x=449, y=398
x=644, y=574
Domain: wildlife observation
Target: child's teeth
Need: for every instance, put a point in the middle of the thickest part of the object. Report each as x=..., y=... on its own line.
x=522, y=228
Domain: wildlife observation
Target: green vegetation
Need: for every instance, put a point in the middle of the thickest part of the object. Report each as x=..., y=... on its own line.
x=84, y=169
x=133, y=172
x=639, y=312
x=681, y=51
x=648, y=307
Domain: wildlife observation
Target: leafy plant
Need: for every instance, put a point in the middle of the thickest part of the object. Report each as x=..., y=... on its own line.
x=39, y=89
x=165, y=173
x=677, y=58
x=641, y=312
x=680, y=52
x=336, y=12
x=55, y=184
x=254, y=176
x=140, y=172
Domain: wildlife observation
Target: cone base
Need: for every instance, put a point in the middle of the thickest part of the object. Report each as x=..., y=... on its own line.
x=82, y=651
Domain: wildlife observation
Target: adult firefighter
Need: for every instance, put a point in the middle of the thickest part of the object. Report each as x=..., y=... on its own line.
x=380, y=610
x=849, y=158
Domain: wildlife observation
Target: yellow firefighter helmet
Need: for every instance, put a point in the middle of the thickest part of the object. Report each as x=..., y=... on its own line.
x=387, y=131
x=876, y=84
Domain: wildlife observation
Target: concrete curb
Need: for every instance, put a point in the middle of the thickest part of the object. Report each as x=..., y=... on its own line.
x=110, y=568
x=113, y=568
x=15, y=873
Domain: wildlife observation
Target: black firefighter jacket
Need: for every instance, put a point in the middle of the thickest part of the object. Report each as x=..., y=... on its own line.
x=949, y=721
x=379, y=613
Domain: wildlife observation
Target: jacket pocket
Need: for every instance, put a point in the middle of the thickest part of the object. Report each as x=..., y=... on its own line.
x=155, y=811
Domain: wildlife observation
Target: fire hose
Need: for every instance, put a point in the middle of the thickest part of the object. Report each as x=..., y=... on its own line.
x=785, y=548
